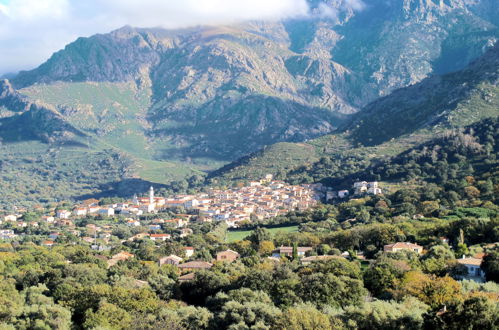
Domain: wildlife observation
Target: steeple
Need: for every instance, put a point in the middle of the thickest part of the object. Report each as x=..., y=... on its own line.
x=151, y=195
x=135, y=199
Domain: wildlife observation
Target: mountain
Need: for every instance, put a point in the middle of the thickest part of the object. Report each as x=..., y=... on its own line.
x=168, y=104
x=454, y=99
x=384, y=128
x=23, y=120
x=225, y=91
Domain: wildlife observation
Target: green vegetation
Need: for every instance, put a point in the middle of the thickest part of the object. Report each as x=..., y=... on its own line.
x=238, y=235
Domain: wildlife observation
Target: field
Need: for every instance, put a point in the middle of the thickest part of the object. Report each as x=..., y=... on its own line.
x=237, y=235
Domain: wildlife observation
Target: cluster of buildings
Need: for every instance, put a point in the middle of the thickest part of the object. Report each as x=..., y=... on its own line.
x=360, y=188
x=471, y=265
x=260, y=199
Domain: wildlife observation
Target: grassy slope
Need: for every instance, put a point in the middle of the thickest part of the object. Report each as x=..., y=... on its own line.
x=238, y=235
x=33, y=172
x=116, y=114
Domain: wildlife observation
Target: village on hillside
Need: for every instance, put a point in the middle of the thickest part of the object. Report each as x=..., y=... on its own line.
x=259, y=200
x=161, y=219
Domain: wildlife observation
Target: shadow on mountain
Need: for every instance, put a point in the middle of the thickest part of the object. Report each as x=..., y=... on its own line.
x=225, y=130
x=122, y=188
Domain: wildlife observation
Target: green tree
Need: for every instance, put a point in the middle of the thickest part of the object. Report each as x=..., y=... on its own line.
x=490, y=266
x=107, y=316
x=305, y=317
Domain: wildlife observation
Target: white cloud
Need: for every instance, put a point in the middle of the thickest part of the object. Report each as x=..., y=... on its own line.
x=31, y=30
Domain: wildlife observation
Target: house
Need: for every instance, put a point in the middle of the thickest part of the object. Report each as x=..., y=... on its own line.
x=190, y=204
x=105, y=235
x=473, y=267
x=227, y=255
x=373, y=188
x=160, y=237
x=63, y=214
x=195, y=265
x=170, y=260
x=343, y=193
x=133, y=223
x=360, y=187
x=189, y=251
x=7, y=234
x=54, y=235
x=154, y=227
x=184, y=232
x=147, y=208
x=187, y=277
x=10, y=217
x=119, y=257
x=48, y=243
x=64, y=223
x=80, y=211
x=309, y=260
x=93, y=209
x=48, y=219
x=107, y=211
x=287, y=251
x=88, y=239
x=399, y=246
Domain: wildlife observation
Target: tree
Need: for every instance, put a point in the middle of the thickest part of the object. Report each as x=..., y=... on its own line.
x=107, y=316
x=265, y=248
x=438, y=259
x=430, y=289
x=472, y=313
x=40, y=311
x=490, y=266
x=390, y=315
x=244, y=308
x=328, y=289
x=295, y=251
x=303, y=316
x=380, y=278
x=259, y=235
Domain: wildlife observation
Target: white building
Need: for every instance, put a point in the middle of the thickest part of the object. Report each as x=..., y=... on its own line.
x=473, y=267
x=108, y=211
x=63, y=214
x=343, y=193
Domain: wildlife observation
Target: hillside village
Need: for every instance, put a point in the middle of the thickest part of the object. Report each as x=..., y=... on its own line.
x=161, y=219
x=259, y=200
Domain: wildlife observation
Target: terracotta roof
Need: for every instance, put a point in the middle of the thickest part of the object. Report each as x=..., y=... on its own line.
x=187, y=277
x=289, y=249
x=160, y=235
x=319, y=258
x=470, y=261
x=196, y=264
x=403, y=245
x=230, y=251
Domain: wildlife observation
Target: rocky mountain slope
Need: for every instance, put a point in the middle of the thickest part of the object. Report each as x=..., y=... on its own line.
x=222, y=92
x=176, y=102
x=386, y=127
x=454, y=99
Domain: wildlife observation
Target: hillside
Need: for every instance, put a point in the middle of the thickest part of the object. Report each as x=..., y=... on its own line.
x=178, y=103
x=384, y=128
x=222, y=92
x=454, y=99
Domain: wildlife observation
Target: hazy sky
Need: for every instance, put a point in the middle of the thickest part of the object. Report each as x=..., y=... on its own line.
x=31, y=30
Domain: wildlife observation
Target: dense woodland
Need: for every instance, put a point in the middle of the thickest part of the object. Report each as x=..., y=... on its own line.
x=70, y=286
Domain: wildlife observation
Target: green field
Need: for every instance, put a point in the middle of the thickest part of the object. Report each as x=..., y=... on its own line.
x=238, y=235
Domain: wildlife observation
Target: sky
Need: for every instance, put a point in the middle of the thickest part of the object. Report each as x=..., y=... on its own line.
x=32, y=30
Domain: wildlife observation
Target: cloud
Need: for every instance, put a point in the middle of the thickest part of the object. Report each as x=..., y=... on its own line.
x=31, y=30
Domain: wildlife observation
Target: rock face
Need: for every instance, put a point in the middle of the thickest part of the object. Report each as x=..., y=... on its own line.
x=455, y=99
x=26, y=120
x=225, y=91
